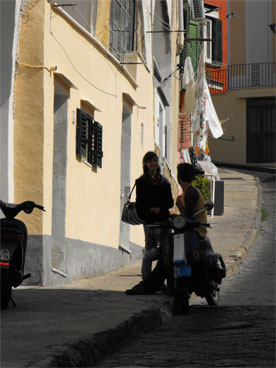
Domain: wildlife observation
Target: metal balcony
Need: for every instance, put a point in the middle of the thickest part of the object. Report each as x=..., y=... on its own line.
x=255, y=75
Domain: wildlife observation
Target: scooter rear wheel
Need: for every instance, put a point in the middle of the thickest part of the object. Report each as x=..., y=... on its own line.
x=213, y=297
x=181, y=296
x=6, y=289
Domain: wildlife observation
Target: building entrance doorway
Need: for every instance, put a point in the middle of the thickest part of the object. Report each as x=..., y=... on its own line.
x=125, y=174
x=260, y=134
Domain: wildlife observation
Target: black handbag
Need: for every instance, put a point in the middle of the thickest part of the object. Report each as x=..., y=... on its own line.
x=129, y=214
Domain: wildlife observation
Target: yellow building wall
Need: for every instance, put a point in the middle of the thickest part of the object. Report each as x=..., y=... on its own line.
x=93, y=196
x=233, y=104
x=237, y=33
x=29, y=114
x=56, y=50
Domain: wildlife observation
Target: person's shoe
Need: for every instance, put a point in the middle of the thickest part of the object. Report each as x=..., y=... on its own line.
x=137, y=290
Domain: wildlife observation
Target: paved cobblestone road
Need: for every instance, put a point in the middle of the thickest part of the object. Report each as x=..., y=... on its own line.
x=240, y=332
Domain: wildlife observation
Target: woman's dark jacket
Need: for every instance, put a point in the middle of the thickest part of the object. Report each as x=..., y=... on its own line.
x=149, y=194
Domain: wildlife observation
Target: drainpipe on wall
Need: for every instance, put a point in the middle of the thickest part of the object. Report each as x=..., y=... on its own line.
x=181, y=25
x=10, y=173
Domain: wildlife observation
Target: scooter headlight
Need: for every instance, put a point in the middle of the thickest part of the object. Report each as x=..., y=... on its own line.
x=179, y=222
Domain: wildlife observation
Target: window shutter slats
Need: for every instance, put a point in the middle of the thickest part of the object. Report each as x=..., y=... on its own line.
x=98, y=138
x=81, y=139
x=89, y=137
x=193, y=47
x=185, y=130
x=90, y=141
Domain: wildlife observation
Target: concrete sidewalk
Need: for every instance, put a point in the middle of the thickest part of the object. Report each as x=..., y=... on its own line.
x=75, y=325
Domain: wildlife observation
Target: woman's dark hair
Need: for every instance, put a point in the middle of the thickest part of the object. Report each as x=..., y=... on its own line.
x=186, y=172
x=148, y=157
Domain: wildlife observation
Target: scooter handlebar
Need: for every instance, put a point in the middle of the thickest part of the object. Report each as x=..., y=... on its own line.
x=11, y=210
x=174, y=223
x=40, y=207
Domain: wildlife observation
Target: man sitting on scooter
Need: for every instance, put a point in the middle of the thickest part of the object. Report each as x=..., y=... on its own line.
x=188, y=203
x=191, y=200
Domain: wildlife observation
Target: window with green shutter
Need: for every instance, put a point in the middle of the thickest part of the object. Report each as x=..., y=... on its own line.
x=89, y=138
x=193, y=46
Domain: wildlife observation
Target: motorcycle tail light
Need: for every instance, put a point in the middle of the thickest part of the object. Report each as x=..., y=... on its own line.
x=4, y=263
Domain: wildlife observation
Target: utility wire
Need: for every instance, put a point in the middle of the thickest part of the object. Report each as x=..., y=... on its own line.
x=170, y=75
x=82, y=76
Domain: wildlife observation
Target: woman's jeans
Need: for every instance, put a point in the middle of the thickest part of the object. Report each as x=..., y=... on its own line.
x=155, y=239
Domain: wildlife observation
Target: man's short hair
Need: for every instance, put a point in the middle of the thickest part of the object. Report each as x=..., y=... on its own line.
x=186, y=172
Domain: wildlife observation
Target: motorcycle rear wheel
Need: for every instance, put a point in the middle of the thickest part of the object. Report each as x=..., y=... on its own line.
x=213, y=297
x=6, y=289
x=181, y=296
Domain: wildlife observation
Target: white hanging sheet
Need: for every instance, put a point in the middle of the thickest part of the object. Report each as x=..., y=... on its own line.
x=190, y=99
x=204, y=112
x=188, y=75
x=211, y=116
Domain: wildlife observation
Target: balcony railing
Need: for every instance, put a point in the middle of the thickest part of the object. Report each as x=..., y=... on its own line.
x=251, y=75
x=241, y=76
x=217, y=80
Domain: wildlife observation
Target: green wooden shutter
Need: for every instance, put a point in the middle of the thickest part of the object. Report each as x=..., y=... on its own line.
x=217, y=43
x=193, y=47
x=81, y=139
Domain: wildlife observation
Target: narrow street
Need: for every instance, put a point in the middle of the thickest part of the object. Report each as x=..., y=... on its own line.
x=240, y=332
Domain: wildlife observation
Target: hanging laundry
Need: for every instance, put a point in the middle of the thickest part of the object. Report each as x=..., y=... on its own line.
x=198, y=115
x=190, y=98
x=184, y=155
x=205, y=115
x=189, y=81
x=188, y=75
x=185, y=130
x=211, y=115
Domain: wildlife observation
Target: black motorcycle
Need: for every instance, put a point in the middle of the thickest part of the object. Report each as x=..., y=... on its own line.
x=13, y=246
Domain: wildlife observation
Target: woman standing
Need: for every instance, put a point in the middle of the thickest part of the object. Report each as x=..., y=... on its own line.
x=153, y=201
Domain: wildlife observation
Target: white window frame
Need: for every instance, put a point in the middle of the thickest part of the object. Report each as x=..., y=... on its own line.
x=208, y=33
x=208, y=29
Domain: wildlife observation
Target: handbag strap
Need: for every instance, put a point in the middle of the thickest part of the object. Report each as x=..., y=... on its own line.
x=128, y=198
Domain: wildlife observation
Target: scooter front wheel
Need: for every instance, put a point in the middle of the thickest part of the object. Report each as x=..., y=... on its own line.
x=6, y=289
x=181, y=296
x=213, y=297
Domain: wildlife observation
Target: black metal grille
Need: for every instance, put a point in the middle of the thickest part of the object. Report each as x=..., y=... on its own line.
x=251, y=75
x=241, y=76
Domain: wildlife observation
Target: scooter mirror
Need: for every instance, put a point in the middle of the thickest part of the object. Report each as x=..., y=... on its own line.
x=209, y=205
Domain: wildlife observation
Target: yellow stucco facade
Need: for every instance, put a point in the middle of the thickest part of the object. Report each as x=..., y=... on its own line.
x=61, y=68
x=29, y=113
